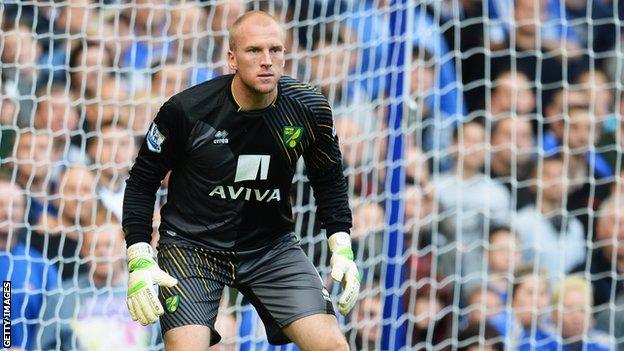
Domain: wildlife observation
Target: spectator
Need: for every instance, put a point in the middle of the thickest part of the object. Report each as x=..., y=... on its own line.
x=575, y=135
x=613, y=138
x=606, y=262
x=31, y=166
x=191, y=43
x=474, y=339
x=109, y=105
x=524, y=46
x=469, y=200
x=504, y=256
x=31, y=276
x=112, y=152
x=552, y=240
x=90, y=311
x=613, y=312
x=511, y=158
x=572, y=316
x=221, y=15
x=597, y=86
x=74, y=208
x=429, y=319
x=483, y=304
x=512, y=94
x=90, y=64
x=367, y=232
x=367, y=319
x=19, y=53
x=526, y=323
x=56, y=114
x=431, y=124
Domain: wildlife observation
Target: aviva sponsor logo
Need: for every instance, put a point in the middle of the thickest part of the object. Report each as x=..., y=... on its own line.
x=234, y=193
x=249, y=167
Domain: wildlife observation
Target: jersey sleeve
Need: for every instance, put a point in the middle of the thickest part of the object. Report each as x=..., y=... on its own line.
x=162, y=147
x=323, y=162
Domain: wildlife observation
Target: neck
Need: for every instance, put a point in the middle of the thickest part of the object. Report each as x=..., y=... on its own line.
x=465, y=172
x=249, y=100
x=500, y=167
x=547, y=207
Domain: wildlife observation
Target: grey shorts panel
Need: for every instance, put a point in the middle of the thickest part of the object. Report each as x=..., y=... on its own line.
x=201, y=276
x=283, y=286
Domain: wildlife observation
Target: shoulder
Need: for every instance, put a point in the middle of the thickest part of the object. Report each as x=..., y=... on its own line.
x=599, y=340
x=303, y=93
x=198, y=100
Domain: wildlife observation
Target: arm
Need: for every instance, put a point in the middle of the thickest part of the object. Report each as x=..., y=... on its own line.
x=323, y=162
x=161, y=150
x=324, y=167
x=164, y=143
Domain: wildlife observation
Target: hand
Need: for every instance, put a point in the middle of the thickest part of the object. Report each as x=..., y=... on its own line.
x=142, y=300
x=344, y=270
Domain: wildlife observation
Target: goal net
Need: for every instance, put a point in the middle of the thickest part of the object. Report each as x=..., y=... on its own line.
x=481, y=140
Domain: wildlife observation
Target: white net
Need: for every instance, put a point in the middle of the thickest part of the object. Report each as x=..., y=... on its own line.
x=505, y=205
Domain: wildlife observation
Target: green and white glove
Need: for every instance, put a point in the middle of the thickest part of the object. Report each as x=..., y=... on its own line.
x=344, y=270
x=142, y=300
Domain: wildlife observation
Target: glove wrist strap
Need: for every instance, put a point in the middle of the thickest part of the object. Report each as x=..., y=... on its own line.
x=339, y=241
x=140, y=250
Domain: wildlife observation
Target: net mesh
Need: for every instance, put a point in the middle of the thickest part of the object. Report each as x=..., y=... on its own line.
x=510, y=178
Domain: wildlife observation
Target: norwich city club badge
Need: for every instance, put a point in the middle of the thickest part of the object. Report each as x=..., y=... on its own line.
x=172, y=303
x=292, y=135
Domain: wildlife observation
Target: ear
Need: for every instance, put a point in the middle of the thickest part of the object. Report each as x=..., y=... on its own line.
x=232, y=61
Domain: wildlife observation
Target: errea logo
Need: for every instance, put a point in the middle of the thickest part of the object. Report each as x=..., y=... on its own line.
x=221, y=137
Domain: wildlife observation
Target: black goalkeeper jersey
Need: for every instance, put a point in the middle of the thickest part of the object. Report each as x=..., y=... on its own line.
x=232, y=170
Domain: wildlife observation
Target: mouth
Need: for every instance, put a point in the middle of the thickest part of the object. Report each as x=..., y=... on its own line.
x=266, y=75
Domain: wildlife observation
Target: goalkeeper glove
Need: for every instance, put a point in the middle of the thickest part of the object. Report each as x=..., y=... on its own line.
x=142, y=300
x=344, y=270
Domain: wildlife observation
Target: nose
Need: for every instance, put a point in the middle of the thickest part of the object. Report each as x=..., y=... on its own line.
x=266, y=59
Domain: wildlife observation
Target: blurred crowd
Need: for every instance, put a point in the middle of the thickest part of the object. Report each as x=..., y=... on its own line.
x=512, y=186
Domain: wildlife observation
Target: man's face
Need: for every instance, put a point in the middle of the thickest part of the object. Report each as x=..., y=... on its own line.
x=487, y=304
x=258, y=54
x=12, y=207
x=610, y=234
x=104, y=248
x=512, y=137
x=504, y=254
x=552, y=179
x=575, y=316
x=56, y=114
x=368, y=319
x=471, y=146
x=170, y=80
x=583, y=130
x=77, y=194
x=114, y=150
x=330, y=67
x=531, y=299
x=513, y=93
x=527, y=14
x=34, y=155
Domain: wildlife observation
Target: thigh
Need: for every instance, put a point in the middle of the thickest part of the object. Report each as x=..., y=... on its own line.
x=316, y=332
x=188, y=338
x=194, y=301
x=283, y=286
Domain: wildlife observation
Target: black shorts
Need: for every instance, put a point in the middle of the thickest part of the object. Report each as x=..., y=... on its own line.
x=279, y=280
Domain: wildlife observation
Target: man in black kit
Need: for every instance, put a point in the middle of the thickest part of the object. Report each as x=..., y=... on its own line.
x=232, y=145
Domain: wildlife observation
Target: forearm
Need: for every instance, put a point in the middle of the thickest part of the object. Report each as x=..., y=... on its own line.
x=330, y=192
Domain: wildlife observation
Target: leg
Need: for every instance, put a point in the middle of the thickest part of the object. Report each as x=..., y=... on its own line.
x=318, y=332
x=191, y=306
x=284, y=287
x=187, y=338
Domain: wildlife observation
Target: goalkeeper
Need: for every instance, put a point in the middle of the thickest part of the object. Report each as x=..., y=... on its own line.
x=232, y=145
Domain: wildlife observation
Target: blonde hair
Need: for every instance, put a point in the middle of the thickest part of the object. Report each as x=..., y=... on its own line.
x=573, y=283
x=232, y=33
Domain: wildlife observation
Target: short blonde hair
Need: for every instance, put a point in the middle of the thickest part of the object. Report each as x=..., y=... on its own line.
x=573, y=283
x=233, y=32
